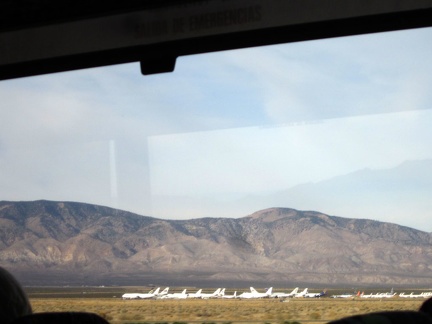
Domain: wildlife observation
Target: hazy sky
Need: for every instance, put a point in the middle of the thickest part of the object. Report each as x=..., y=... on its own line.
x=222, y=127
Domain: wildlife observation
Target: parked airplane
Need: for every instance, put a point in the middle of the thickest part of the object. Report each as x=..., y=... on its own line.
x=402, y=295
x=285, y=295
x=212, y=295
x=379, y=295
x=343, y=296
x=230, y=296
x=412, y=295
x=315, y=295
x=347, y=295
x=255, y=294
x=262, y=295
x=163, y=292
x=195, y=295
x=151, y=294
x=222, y=293
x=130, y=296
x=302, y=293
x=362, y=295
x=384, y=295
x=181, y=295
x=388, y=294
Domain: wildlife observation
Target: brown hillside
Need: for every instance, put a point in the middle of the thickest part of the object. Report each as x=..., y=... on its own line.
x=46, y=242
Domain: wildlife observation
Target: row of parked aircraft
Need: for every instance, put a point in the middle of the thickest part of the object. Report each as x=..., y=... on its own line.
x=421, y=295
x=253, y=293
x=384, y=295
x=220, y=293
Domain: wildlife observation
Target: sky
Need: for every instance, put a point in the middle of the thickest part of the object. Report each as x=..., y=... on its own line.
x=224, y=127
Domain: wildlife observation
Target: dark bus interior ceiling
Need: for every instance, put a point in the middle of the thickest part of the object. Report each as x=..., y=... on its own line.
x=46, y=36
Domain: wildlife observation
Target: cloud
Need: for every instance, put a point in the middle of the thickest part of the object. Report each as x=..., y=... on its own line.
x=343, y=76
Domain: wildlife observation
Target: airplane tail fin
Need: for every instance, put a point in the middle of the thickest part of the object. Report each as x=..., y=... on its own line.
x=165, y=291
x=222, y=292
x=295, y=291
x=269, y=291
x=252, y=289
x=217, y=292
x=156, y=291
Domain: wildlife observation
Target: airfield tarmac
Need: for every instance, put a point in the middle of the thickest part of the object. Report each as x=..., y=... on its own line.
x=107, y=302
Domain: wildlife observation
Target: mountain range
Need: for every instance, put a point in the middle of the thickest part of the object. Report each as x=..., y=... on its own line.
x=48, y=242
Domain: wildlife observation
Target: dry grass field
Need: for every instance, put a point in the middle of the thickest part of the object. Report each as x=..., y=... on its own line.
x=116, y=310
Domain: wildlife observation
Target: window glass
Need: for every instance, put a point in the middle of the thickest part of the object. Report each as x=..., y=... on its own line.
x=340, y=126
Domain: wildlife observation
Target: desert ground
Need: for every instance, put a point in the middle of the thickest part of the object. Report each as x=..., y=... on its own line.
x=109, y=304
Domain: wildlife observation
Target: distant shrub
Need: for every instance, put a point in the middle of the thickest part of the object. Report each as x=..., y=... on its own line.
x=315, y=315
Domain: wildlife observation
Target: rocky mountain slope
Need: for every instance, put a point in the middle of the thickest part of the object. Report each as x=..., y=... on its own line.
x=67, y=243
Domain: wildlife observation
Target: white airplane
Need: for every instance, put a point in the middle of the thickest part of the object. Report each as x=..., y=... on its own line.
x=378, y=295
x=228, y=296
x=389, y=294
x=163, y=292
x=362, y=295
x=195, y=295
x=301, y=294
x=285, y=295
x=384, y=295
x=315, y=295
x=417, y=295
x=412, y=295
x=130, y=296
x=182, y=295
x=255, y=294
x=151, y=294
x=347, y=295
x=247, y=294
x=343, y=296
x=402, y=295
x=215, y=294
